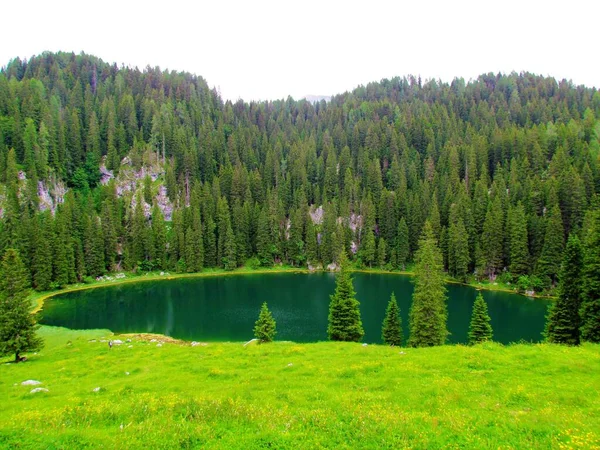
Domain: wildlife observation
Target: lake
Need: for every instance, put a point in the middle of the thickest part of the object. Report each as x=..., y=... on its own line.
x=224, y=308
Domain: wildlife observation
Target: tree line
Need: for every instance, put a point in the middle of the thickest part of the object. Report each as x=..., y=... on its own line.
x=503, y=167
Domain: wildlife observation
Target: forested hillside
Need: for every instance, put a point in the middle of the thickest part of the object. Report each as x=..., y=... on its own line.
x=107, y=168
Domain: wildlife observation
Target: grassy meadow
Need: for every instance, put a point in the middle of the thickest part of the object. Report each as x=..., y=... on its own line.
x=284, y=395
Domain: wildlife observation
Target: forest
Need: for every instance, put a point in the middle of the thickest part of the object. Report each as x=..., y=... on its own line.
x=106, y=168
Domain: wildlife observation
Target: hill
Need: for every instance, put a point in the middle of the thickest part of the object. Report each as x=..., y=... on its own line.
x=158, y=394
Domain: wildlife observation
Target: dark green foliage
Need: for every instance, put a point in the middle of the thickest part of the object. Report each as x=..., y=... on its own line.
x=265, y=326
x=487, y=162
x=519, y=244
x=480, y=329
x=428, y=313
x=391, y=331
x=590, y=307
x=345, y=323
x=548, y=265
x=563, y=321
x=402, y=243
x=17, y=324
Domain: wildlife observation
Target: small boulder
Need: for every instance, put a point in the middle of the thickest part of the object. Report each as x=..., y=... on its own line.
x=365, y=344
x=251, y=342
x=31, y=383
x=36, y=390
x=290, y=365
x=159, y=345
x=96, y=389
x=117, y=342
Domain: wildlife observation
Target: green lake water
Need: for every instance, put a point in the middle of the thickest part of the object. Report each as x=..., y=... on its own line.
x=224, y=308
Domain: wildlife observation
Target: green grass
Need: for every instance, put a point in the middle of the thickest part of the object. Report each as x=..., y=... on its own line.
x=287, y=395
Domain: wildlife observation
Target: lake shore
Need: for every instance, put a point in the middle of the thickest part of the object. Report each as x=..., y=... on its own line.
x=38, y=298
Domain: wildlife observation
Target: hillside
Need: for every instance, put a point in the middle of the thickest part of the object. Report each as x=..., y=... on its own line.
x=156, y=394
x=115, y=168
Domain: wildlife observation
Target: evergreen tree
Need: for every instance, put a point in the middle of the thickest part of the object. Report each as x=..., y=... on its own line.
x=17, y=324
x=563, y=322
x=458, y=251
x=402, y=245
x=381, y=253
x=480, y=329
x=42, y=259
x=344, y=310
x=548, y=265
x=229, y=257
x=519, y=245
x=265, y=326
x=159, y=238
x=391, y=331
x=428, y=313
x=590, y=307
x=368, y=248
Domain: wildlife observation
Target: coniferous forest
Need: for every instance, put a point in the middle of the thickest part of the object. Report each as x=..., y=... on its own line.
x=106, y=168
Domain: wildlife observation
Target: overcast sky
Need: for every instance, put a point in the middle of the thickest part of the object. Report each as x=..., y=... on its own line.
x=258, y=49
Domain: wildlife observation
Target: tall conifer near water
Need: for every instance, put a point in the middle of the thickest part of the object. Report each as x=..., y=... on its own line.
x=17, y=324
x=480, y=329
x=428, y=313
x=590, y=307
x=562, y=326
x=344, y=310
x=391, y=331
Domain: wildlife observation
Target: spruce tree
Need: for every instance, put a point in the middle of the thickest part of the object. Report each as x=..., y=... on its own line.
x=265, y=326
x=563, y=322
x=17, y=324
x=381, y=253
x=590, y=307
x=368, y=248
x=428, y=313
x=548, y=265
x=480, y=329
x=391, y=330
x=344, y=309
x=519, y=245
x=402, y=245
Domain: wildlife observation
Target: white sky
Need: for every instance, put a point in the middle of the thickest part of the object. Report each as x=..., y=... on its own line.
x=258, y=49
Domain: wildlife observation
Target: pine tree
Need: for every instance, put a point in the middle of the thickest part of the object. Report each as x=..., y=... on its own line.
x=344, y=310
x=458, y=251
x=402, y=245
x=563, y=322
x=17, y=324
x=381, y=253
x=229, y=257
x=480, y=329
x=42, y=259
x=590, y=307
x=368, y=248
x=159, y=238
x=548, y=265
x=265, y=326
x=391, y=331
x=519, y=244
x=428, y=313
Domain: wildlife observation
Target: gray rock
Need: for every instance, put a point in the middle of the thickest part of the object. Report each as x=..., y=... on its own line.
x=159, y=345
x=117, y=342
x=96, y=389
x=251, y=342
x=31, y=383
x=36, y=390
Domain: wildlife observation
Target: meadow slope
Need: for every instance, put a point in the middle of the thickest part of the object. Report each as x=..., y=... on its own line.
x=287, y=395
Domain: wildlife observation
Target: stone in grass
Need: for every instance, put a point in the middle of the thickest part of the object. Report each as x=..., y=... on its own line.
x=31, y=383
x=159, y=345
x=117, y=342
x=97, y=389
x=36, y=390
